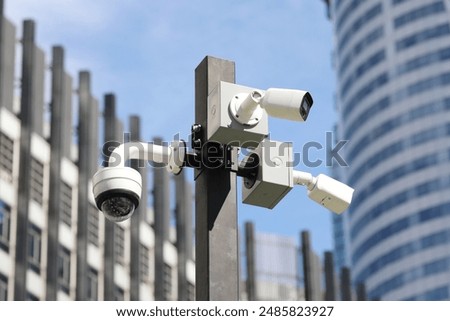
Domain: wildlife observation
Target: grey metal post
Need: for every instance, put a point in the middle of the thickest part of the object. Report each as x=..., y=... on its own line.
x=2, y=49
x=93, y=122
x=26, y=116
x=307, y=265
x=217, y=267
x=7, y=61
x=38, y=90
x=56, y=145
x=111, y=140
x=66, y=147
x=330, y=284
x=346, y=286
x=180, y=207
x=361, y=294
x=138, y=217
x=250, y=255
x=84, y=168
x=161, y=207
x=188, y=226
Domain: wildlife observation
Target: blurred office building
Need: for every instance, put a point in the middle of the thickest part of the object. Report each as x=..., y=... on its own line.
x=392, y=62
x=273, y=268
x=54, y=243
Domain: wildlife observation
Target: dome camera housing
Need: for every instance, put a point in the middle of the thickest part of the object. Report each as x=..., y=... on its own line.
x=117, y=192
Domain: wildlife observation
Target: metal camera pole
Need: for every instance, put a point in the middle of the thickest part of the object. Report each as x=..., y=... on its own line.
x=216, y=243
x=226, y=115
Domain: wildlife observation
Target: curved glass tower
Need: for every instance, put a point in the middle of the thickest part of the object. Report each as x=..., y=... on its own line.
x=393, y=95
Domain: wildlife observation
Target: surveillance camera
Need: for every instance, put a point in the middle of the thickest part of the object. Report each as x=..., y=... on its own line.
x=288, y=104
x=248, y=108
x=117, y=191
x=326, y=191
x=330, y=193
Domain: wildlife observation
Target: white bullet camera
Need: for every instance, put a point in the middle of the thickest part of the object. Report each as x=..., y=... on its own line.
x=330, y=193
x=291, y=104
x=117, y=192
x=326, y=191
x=238, y=115
x=287, y=103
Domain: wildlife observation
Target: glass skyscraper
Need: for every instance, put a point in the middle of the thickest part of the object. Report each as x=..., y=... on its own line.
x=392, y=60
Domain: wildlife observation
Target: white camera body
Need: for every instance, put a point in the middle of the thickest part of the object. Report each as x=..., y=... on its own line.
x=223, y=127
x=238, y=115
x=288, y=104
x=330, y=193
x=117, y=192
x=273, y=178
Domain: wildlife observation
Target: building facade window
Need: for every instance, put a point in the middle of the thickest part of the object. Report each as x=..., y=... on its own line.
x=372, y=86
x=92, y=284
x=362, y=69
x=6, y=157
x=191, y=291
x=119, y=293
x=119, y=244
x=428, y=242
x=438, y=294
x=369, y=15
x=346, y=12
x=390, y=203
x=31, y=297
x=418, y=164
x=423, y=61
x=3, y=287
x=397, y=2
x=64, y=269
x=34, y=248
x=369, y=40
x=5, y=223
x=167, y=281
x=37, y=181
x=419, y=13
x=438, y=266
x=397, y=147
x=423, y=36
x=93, y=221
x=426, y=215
x=65, y=206
x=144, y=263
x=421, y=112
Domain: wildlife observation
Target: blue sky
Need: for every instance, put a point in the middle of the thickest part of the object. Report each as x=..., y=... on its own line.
x=145, y=51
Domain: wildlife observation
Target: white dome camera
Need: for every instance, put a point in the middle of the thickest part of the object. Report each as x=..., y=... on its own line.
x=117, y=192
x=117, y=189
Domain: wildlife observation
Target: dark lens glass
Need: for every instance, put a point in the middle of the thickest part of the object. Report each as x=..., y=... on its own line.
x=306, y=106
x=118, y=209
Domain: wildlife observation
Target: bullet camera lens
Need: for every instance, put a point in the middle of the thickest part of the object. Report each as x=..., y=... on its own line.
x=306, y=106
x=118, y=208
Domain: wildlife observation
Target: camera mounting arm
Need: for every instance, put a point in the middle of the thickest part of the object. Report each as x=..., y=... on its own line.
x=172, y=156
x=303, y=178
